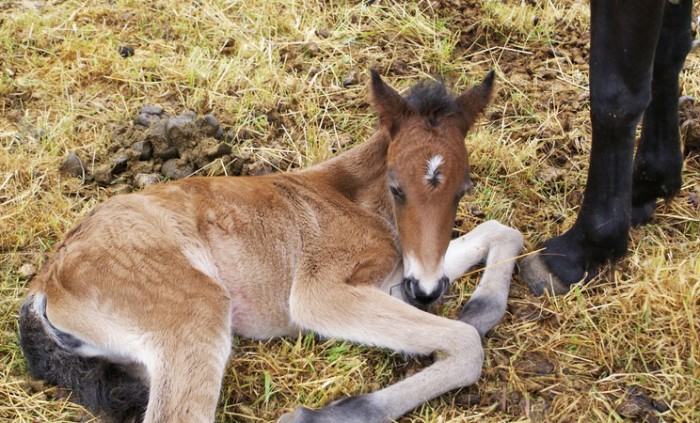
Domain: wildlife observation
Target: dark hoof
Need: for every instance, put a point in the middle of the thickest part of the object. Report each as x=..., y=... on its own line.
x=299, y=415
x=348, y=410
x=539, y=279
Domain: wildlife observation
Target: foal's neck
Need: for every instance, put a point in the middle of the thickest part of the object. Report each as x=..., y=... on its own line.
x=360, y=175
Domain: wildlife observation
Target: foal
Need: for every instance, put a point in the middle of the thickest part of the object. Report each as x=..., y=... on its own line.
x=137, y=308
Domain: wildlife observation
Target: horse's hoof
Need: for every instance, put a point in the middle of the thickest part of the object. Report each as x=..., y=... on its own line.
x=642, y=214
x=539, y=279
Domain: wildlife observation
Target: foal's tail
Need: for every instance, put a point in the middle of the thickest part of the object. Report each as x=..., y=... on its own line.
x=103, y=387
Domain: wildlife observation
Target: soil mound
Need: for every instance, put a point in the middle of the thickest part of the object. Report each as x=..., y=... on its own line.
x=157, y=147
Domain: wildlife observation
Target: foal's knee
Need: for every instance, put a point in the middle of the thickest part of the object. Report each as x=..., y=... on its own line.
x=514, y=238
x=504, y=235
x=468, y=354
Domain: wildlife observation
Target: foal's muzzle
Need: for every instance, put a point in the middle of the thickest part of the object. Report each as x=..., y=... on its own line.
x=419, y=298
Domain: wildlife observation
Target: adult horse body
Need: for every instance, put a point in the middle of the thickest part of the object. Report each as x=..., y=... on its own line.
x=637, y=52
x=136, y=309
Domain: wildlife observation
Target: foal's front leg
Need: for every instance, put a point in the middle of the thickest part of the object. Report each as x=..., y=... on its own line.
x=366, y=315
x=498, y=246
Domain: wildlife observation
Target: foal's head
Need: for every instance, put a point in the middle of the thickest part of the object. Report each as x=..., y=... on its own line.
x=428, y=173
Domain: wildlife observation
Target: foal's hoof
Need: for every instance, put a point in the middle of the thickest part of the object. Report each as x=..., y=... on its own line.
x=539, y=279
x=347, y=410
x=299, y=415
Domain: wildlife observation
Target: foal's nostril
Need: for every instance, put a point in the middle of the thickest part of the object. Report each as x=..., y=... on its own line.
x=409, y=287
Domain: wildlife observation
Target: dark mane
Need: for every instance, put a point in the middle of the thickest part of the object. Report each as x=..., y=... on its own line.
x=431, y=99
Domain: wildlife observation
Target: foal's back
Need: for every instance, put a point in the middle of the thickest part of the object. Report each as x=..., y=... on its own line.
x=246, y=235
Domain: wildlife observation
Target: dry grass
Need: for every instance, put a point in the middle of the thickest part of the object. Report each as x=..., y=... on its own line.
x=634, y=332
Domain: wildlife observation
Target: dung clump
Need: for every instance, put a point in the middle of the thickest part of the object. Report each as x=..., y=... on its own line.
x=156, y=146
x=73, y=166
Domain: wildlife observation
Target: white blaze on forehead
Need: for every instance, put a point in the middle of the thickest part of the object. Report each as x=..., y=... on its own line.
x=433, y=174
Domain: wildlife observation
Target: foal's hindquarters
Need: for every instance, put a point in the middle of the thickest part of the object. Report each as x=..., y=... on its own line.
x=129, y=289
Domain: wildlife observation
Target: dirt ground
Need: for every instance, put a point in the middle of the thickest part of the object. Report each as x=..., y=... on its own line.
x=98, y=100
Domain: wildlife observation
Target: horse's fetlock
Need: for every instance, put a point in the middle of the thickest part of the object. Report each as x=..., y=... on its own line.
x=603, y=228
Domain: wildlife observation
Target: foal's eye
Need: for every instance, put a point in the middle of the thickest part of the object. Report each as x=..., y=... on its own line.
x=397, y=192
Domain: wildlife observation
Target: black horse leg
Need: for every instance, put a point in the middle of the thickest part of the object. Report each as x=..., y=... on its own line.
x=624, y=36
x=657, y=165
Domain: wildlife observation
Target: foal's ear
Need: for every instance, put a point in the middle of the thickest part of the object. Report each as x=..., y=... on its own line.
x=475, y=100
x=386, y=100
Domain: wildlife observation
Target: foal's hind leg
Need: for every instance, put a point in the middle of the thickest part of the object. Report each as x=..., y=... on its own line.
x=366, y=315
x=191, y=346
x=186, y=378
x=657, y=165
x=177, y=325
